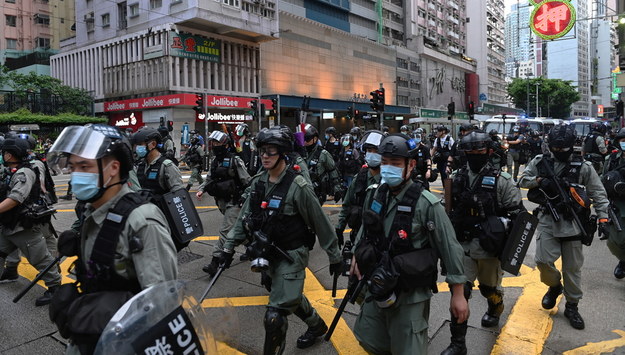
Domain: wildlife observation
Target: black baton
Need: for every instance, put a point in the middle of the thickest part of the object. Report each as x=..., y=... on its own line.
x=33, y=282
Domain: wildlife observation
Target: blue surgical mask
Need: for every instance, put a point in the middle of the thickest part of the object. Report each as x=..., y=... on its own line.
x=141, y=151
x=1, y=159
x=327, y=137
x=373, y=159
x=622, y=144
x=345, y=143
x=85, y=185
x=392, y=175
x=417, y=140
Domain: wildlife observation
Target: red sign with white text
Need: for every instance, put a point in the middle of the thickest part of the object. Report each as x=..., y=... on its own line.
x=552, y=19
x=181, y=99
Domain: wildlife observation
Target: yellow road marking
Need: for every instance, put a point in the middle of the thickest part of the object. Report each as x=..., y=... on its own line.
x=204, y=237
x=436, y=190
x=528, y=325
x=606, y=346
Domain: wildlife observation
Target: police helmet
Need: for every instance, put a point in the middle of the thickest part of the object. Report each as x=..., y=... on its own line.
x=331, y=130
x=516, y=129
x=218, y=136
x=347, y=138
x=242, y=130
x=599, y=127
x=418, y=133
x=404, y=128
x=309, y=131
x=16, y=146
x=163, y=131
x=562, y=136
x=398, y=145
x=371, y=139
x=465, y=127
x=493, y=132
x=614, y=184
x=276, y=135
x=1, y=141
x=385, y=129
x=534, y=133
x=620, y=135
x=94, y=141
x=32, y=143
x=475, y=140
x=355, y=131
x=145, y=135
x=442, y=128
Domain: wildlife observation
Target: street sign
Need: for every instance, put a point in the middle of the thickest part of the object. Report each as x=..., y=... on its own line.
x=24, y=127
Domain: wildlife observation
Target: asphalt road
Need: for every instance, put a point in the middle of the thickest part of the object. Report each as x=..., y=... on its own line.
x=525, y=328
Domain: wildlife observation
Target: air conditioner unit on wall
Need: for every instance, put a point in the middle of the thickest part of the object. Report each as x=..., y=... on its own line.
x=89, y=17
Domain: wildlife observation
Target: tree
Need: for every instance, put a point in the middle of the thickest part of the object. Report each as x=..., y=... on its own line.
x=555, y=96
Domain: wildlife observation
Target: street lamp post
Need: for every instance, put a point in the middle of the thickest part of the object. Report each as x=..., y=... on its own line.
x=537, y=85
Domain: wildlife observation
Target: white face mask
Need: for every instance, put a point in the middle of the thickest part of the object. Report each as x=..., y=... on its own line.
x=373, y=159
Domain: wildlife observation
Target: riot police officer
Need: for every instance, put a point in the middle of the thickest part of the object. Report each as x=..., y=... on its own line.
x=154, y=172
x=194, y=157
x=516, y=142
x=405, y=129
x=456, y=157
x=168, y=147
x=499, y=156
x=323, y=173
x=283, y=215
x=594, y=148
x=404, y=229
x=117, y=258
x=484, y=202
x=246, y=149
x=226, y=181
x=20, y=191
x=441, y=150
x=332, y=144
x=423, y=170
x=350, y=161
x=369, y=175
x=535, y=144
x=614, y=183
x=564, y=236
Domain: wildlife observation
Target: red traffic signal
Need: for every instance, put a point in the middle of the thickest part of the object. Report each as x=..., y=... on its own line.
x=199, y=103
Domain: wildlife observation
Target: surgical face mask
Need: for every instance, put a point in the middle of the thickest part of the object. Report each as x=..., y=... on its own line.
x=1, y=159
x=141, y=152
x=417, y=140
x=373, y=159
x=622, y=144
x=85, y=185
x=477, y=161
x=327, y=137
x=345, y=143
x=392, y=175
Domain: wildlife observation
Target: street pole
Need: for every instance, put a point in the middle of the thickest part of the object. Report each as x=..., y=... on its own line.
x=527, y=102
x=537, y=85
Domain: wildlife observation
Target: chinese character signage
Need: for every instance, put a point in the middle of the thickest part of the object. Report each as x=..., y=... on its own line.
x=172, y=335
x=552, y=19
x=194, y=47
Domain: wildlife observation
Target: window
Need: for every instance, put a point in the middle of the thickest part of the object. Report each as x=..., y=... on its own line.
x=11, y=43
x=62, y=20
x=41, y=19
x=42, y=42
x=155, y=4
x=121, y=15
x=133, y=10
x=10, y=20
x=106, y=20
x=10, y=1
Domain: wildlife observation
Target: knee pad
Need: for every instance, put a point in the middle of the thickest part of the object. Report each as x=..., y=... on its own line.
x=275, y=319
x=492, y=294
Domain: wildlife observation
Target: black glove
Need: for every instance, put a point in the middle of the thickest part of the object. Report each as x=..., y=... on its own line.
x=383, y=282
x=338, y=195
x=339, y=236
x=603, y=230
x=68, y=243
x=265, y=280
x=224, y=259
x=336, y=268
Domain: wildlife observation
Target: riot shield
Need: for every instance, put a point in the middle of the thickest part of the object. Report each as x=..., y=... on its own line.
x=182, y=216
x=167, y=319
x=518, y=242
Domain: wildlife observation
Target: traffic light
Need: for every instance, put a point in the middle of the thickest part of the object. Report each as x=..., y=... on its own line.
x=381, y=99
x=170, y=126
x=254, y=107
x=262, y=110
x=199, y=104
x=274, y=107
x=350, y=112
x=451, y=109
x=471, y=109
x=356, y=113
x=375, y=100
x=619, y=108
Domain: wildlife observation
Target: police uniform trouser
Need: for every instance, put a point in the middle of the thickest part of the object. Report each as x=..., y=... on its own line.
x=616, y=243
x=487, y=271
x=231, y=213
x=196, y=175
x=509, y=161
x=515, y=159
x=13, y=259
x=400, y=329
x=548, y=249
x=32, y=244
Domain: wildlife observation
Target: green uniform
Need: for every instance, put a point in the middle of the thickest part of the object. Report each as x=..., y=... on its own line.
x=156, y=262
x=549, y=243
x=598, y=153
x=402, y=328
x=169, y=177
x=616, y=239
x=288, y=278
x=194, y=159
x=350, y=197
x=30, y=241
x=323, y=172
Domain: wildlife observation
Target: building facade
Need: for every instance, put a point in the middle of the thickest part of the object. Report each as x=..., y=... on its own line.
x=604, y=54
x=518, y=41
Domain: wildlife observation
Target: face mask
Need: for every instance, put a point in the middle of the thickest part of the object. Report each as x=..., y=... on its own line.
x=310, y=148
x=1, y=159
x=373, y=159
x=85, y=185
x=219, y=150
x=622, y=145
x=417, y=140
x=392, y=175
x=327, y=137
x=477, y=161
x=141, y=151
x=563, y=156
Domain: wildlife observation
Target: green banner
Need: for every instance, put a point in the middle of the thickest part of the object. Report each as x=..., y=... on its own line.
x=194, y=47
x=431, y=113
x=490, y=109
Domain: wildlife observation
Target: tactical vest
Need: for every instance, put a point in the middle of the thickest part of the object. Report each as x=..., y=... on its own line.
x=266, y=214
x=444, y=147
x=250, y=159
x=421, y=157
x=349, y=164
x=20, y=214
x=613, y=160
x=149, y=179
x=319, y=185
x=194, y=156
x=535, y=146
x=334, y=148
x=590, y=144
x=472, y=204
x=354, y=217
x=224, y=183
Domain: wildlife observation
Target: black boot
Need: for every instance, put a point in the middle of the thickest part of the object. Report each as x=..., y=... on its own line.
x=307, y=339
x=575, y=319
x=549, y=300
x=276, y=325
x=189, y=187
x=9, y=275
x=495, y=305
x=619, y=270
x=458, y=344
x=46, y=298
x=211, y=268
x=67, y=197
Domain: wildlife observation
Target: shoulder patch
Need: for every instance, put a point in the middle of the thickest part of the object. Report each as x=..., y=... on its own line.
x=372, y=187
x=301, y=181
x=505, y=175
x=430, y=197
x=167, y=162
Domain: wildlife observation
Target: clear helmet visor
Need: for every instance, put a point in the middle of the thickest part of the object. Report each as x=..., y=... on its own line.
x=84, y=142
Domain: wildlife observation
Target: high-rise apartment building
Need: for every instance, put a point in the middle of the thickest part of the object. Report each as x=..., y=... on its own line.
x=603, y=53
x=518, y=40
x=485, y=28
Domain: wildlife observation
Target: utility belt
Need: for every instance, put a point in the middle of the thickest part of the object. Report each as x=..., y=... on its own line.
x=594, y=157
x=225, y=189
x=492, y=232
